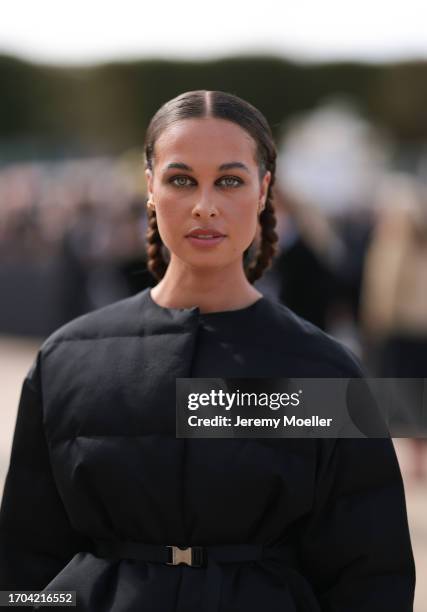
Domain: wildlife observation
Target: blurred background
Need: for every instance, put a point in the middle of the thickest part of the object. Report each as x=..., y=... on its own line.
x=344, y=88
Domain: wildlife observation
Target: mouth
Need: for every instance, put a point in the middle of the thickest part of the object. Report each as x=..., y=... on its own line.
x=200, y=233
x=205, y=238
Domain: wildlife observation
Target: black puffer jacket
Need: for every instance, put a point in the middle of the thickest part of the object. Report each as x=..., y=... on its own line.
x=96, y=464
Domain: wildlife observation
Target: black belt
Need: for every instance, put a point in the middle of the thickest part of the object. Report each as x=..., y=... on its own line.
x=195, y=556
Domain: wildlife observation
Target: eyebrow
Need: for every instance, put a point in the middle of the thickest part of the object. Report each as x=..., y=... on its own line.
x=227, y=166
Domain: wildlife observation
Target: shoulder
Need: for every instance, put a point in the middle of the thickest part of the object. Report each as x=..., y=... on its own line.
x=304, y=340
x=118, y=319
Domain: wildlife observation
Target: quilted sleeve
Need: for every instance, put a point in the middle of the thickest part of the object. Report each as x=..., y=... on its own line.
x=36, y=537
x=356, y=547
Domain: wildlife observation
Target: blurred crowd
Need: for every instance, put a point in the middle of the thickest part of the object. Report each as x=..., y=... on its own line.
x=79, y=226
x=352, y=241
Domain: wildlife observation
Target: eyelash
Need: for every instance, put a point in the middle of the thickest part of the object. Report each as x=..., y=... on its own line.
x=174, y=178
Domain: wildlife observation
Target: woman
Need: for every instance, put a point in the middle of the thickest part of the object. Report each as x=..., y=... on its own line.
x=394, y=313
x=100, y=492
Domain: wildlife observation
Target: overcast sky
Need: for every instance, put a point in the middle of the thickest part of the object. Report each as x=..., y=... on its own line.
x=86, y=31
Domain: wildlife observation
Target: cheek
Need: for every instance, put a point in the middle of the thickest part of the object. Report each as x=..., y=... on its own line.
x=170, y=219
x=244, y=220
x=168, y=204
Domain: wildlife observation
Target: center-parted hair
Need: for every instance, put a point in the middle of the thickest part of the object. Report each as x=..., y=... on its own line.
x=220, y=105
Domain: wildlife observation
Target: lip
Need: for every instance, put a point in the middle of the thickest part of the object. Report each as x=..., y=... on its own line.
x=205, y=243
x=197, y=237
x=199, y=231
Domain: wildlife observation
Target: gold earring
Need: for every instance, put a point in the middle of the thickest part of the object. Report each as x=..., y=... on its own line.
x=150, y=204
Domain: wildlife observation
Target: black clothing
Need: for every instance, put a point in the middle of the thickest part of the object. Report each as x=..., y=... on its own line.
x=95, y=458
x=308, y=286
x=404, y=356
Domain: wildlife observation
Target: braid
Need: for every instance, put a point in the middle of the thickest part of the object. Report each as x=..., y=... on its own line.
x=155, y=260
x=269, y=238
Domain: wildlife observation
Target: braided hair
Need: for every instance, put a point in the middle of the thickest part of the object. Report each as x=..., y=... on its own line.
x=221, y=105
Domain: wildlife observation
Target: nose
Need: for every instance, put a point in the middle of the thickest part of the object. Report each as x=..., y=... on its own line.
x=205, y=207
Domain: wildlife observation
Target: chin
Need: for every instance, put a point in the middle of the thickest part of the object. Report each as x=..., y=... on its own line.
x=207, y=263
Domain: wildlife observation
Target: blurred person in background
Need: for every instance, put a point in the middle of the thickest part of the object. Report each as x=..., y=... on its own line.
x=128, y=245
x=328, y=164
x=316, y=268
x=76, y=255
x=394, y=297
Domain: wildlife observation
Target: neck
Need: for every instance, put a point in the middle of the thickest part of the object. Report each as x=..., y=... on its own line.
x=212, y=290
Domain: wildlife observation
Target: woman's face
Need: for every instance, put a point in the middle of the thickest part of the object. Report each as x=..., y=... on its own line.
x=206, y=177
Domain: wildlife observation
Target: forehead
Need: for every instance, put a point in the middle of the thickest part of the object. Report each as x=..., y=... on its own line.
x=207, y=141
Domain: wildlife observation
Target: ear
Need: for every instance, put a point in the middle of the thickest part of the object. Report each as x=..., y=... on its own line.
x=264, y=187
x=149, y=180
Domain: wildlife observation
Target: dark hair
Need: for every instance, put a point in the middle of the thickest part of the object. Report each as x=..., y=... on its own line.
x=221, y=105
